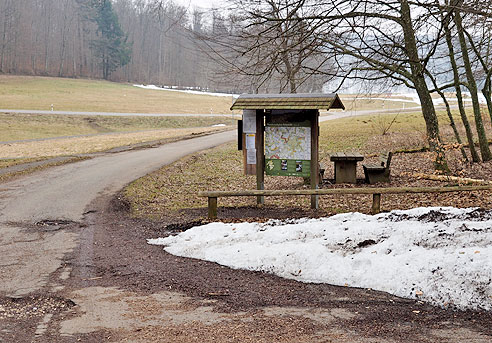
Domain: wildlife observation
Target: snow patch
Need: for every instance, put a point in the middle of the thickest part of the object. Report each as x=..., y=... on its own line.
x=440, y=255
x=394, y=99
x=189, y=91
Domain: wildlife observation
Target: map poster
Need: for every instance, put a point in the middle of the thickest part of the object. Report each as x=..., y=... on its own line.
x=288, y=150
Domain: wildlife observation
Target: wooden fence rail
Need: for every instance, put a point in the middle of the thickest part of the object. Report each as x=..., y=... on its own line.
x=376, y=193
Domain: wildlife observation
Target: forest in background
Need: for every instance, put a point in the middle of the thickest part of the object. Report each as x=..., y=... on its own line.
x=152, y=42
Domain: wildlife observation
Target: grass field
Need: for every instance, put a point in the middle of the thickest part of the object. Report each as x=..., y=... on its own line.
x=7, y=174
x=38, y=93
x=23, y=92
x=9, y=162
x=34, y=126
x=353, y=103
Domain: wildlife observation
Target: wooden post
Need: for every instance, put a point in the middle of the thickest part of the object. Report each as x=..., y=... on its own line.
x=212, y=207
x=245, y=162
x=314, y=157
x=260, y=154
x=376, y=203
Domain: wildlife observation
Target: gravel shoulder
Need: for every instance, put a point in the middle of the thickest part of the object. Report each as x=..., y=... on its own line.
x=128, y=291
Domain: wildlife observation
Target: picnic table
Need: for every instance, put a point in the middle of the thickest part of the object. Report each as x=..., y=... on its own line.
x=346, y=166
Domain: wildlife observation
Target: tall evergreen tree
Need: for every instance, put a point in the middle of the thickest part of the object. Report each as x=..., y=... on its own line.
x=110, y=46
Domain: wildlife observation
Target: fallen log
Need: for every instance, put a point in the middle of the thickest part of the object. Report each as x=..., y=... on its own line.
x=447, y=178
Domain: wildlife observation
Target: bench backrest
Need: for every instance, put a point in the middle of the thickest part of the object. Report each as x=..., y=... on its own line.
x=386, y=159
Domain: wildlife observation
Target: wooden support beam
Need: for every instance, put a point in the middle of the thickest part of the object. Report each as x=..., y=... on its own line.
x=376, y=203
x=212, y=207
x=314, y=118
x=368, y=190
x=260, y=155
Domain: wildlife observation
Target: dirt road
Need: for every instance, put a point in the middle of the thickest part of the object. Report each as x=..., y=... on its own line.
x=74, y=267
x=121, y=114
x=41, y=214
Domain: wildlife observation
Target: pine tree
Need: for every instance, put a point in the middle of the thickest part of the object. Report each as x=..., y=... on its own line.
x=110, y=46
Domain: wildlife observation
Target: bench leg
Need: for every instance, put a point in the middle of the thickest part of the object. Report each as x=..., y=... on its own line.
x=212, y=208
x=376, y=203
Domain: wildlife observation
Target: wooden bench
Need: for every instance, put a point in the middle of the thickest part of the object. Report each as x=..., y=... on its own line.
x=378, y=172
x=376, y=194
x=321, y=175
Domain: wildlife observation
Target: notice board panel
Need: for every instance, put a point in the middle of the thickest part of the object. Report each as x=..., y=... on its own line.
x=288, y=149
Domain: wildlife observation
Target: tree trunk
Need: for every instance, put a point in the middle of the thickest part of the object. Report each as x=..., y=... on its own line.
x=286, y=60
x=459, y=96
x=418, y=78
x=472, y=87
x=160, y=62
x=47, y=35
x=428, y=111
x=7, y=28
x=62, y=54
x=486, y=91
x=451, y=120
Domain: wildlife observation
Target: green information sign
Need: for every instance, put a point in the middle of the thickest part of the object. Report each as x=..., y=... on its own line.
x=288, y=149
x=288, y=167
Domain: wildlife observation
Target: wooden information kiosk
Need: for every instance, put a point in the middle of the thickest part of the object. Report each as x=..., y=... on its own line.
x=279, y=135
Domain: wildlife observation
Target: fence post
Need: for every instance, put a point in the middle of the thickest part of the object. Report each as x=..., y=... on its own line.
x=376, y=203
x=212, y=207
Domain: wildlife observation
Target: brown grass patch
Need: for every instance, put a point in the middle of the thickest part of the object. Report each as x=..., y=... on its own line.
x=84, y=145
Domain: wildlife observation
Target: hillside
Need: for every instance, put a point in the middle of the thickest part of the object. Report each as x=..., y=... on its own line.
x=39, y=93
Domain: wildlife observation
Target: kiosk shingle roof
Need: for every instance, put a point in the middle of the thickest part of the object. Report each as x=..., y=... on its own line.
x=287, y=101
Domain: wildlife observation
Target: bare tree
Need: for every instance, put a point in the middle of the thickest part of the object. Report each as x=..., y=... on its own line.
x=379, y=40
x=477, y=32
x=461, y=66
x=285, y=54
x=459, y=96
x=472, y=87
x=9, y=16
x=452, y=123
x=449, y=73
